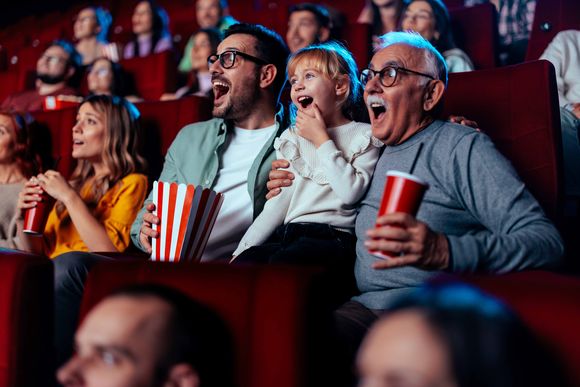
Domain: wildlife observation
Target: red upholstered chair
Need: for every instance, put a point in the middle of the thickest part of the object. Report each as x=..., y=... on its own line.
x=265, y=308
x=517, y=106
x=9, y=82
x=549, y=303
x=59, y=123
x=551, y=17
x=26, y=320
x=153, y=74
x=358, y=40
x=475, y=32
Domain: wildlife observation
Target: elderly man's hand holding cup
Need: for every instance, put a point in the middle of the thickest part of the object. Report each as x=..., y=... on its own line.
x=398, y=237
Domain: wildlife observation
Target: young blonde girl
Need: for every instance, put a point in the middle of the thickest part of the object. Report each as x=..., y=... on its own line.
x=332, y=157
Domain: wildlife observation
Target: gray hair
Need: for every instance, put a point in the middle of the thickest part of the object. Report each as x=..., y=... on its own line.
x=434, y=61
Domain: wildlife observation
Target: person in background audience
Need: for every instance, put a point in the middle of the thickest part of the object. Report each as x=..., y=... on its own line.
x=209, y=14
x=515, y=18
x=91, y=28
x=150, y=31
x=307, y=24
x=454, y=335
x=431, y=19
x=108, y=78
x=55, y=67
x=382, y=15
x=206, y=41
x=19, y=161
x=564, y=53
x=150, y=335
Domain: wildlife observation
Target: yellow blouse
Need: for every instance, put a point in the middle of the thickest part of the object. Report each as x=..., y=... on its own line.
x=116, y=210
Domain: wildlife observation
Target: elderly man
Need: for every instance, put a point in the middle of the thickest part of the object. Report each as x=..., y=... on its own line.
x=56, y=66
x=147, y=335
x=307, y=24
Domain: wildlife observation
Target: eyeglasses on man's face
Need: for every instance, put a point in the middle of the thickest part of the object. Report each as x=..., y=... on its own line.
x=228, y=58
x=388, y=75
x=52, y=59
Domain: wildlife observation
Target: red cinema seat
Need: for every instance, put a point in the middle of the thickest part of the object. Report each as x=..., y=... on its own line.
x=59, y=123
x=162, y=120
x=357, y=38
x=475, y=32
x=26, y=320
x=153, y=75
x=265, y=308
x=517, y=106
x=9, y=82
x=551, y=17
x=549, y=304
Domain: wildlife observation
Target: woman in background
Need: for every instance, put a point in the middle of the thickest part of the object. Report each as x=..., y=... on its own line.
x=150, y=31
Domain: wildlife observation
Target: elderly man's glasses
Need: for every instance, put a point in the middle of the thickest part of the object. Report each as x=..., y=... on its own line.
x=228, y=58
x=388, y=75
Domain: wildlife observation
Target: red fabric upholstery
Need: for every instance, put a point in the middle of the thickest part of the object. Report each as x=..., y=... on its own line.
x=162, y=120
x=265, y=308
x=475, y=32
x=60, y=124
x=153, y=74
x=26, y=320
x=549, y=303
x=551, y=17
x=9, y=82
x=358, y=40
x=517, y=106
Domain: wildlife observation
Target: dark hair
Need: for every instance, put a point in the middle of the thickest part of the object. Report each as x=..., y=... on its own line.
x=269, y=46
x=442, y=25
x=377, y=24
x=487, y=343
x=215, y=36
x=119, y=83
x=319, y=11
x=74, y=58
x=195, y=335
x=160, y=27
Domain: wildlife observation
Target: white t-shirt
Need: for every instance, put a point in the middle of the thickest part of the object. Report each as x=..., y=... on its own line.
x=236, y=213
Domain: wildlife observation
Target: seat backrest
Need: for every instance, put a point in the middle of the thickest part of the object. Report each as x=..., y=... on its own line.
x=517, y=106
x=153, y=75
x=475, y=32
x=26, y=320
x=551, y=17
x=264, y=307
x=9, y=82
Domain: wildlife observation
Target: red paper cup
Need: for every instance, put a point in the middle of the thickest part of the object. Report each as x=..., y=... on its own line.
x=35, y=217
x=403, y=193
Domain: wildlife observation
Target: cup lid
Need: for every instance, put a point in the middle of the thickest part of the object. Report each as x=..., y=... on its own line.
x=406, y=175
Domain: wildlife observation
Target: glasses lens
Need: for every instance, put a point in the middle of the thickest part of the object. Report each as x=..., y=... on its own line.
x=388, y=75
x=227, y=59
x=212, y=59
x=365, y=76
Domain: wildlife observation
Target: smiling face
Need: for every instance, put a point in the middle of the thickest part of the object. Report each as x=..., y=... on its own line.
x=89, y=134
x=142, y=19
x=100, y=77
x=208, y=13
x=303, y=30
x=118, y=344
x=419, y=17
x=200, y=51
x=86, y=24
x=236, y=89
x=7, y=139
x=403, y=350
x=397, y=112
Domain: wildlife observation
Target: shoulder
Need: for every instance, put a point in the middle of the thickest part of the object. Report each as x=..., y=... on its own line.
x=201, y=129
x=134, y=179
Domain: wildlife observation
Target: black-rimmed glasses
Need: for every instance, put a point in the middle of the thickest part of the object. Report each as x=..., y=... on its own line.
x=387, y=75
x=228, y=58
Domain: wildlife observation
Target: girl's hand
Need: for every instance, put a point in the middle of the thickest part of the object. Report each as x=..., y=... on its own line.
x=311, y=126
x=29, y=196
x=56, y=186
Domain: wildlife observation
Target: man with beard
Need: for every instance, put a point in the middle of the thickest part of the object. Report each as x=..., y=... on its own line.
x=307, y=24
x=55, y=67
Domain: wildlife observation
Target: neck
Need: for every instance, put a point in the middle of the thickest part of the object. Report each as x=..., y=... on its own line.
x=10, y=173
x=336, y=120
x=46, y=89
x=422, y=124
x=88, y=42
x=389, y=18
x=145, y=35
x=100, y=169
x=262, y=116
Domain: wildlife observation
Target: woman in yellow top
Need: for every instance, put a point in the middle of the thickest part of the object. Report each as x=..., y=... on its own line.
x=95, y=209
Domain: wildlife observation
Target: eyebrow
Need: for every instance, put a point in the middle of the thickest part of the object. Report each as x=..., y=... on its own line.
x=386, y=64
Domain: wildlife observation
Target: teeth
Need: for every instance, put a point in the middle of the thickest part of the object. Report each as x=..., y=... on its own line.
x=220, y=84
x=374, y=101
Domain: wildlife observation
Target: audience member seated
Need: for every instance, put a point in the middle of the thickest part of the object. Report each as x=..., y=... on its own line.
x=454, y=335
x=150, y=31
x=108, y=78
x=91, y=28
x=209, y=14
x=564, y=53
x=150, y=335
x=94, y=210
x=477, y=215
x=206, y=41
x=515, y=20
x=54, y=69
x=18, y=162
x=382, y=15
x=431, y=19
x=307, y=24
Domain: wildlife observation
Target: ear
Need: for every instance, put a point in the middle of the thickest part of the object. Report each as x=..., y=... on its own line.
x=267, y=75
x=342, y=85
x=323, y=34
x=182, y=375
x=433, y=94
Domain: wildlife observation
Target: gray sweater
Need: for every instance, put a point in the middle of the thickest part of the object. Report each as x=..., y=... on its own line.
x=492, y=222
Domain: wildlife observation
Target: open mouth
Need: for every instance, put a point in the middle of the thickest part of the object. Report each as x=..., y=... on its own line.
x=220, y=88
x=377, y=107
x=77, y=142
x=305, y=101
